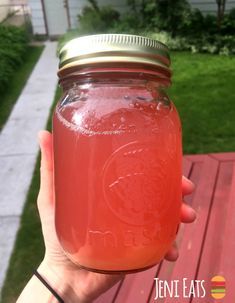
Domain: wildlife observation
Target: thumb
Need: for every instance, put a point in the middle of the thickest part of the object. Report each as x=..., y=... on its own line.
x=46, y=192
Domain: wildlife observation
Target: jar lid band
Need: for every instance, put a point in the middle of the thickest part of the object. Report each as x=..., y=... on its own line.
x=114, y=48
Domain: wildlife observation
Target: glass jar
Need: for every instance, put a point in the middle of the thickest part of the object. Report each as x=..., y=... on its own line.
x=117, y=153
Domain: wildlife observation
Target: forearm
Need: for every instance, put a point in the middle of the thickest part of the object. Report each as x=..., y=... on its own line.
x=35, y=291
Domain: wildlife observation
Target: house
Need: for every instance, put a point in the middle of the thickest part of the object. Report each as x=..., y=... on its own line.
x=210, y=6
x=14, y=12
x=4, y=9
x=55, y=17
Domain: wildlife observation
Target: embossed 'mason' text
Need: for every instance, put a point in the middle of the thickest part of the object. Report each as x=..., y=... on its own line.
x=126, y=238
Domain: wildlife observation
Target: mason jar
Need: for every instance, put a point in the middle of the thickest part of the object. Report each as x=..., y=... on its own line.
x=117, y=153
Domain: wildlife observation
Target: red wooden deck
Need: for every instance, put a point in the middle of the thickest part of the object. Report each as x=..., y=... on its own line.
x=207, y=247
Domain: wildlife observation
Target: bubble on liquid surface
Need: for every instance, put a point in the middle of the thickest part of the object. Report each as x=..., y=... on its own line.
x=163, y=108
x=126, y=97
x=122, y=126
x=77, y=118
x=78, y=126
x=155, y=130
x=141, y=98
x=132, y=127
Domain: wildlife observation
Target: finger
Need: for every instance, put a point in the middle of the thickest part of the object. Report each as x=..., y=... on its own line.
x=188, y=214
x=187, y=186
x=173, y=254
x=46, y=169
x=45, y=142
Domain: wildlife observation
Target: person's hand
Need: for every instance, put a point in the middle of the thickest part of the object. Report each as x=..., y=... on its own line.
x=81, y=285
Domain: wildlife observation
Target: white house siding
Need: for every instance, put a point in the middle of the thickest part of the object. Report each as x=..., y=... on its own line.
x=54, y=15
x=206, y=6
x=37, y=17
x=210, y=6
x=75, y=8
x=4, y=9
x=57, y=20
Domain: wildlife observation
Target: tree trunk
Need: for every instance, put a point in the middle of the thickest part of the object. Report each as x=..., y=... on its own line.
x=220, y=12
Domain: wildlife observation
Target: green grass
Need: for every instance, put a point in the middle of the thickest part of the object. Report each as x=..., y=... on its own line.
x=204, y=93
x=17, y=83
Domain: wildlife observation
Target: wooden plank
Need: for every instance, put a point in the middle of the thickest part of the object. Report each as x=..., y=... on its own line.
x=187, y=166
x=163, y=275
x=167, y=268
x=125, y=288
x=212, y=254
x=196, y=158
x=223, y=156
x=109, y=295
x=186, y=265
x=137, y=287
x=227, y=264
x=194, y=177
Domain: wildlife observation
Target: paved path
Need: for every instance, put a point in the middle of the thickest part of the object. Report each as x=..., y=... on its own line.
x=19, y=148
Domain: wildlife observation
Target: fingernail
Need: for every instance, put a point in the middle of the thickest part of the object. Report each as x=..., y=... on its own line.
x=189, y=182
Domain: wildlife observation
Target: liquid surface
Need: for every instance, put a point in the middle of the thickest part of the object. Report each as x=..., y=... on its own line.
x=117, y=179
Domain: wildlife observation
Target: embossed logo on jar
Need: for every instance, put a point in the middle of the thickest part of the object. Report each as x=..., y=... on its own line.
x=135, y=182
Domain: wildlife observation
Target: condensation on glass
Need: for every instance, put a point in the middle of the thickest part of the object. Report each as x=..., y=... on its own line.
x=117, y=153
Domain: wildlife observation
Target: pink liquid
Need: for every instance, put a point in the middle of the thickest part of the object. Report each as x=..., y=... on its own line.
x=117, y=179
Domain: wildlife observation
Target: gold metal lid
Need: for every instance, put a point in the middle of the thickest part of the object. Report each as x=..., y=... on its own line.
x=110, y=48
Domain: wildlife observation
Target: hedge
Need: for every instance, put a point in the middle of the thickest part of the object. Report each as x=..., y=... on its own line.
x=13, y=45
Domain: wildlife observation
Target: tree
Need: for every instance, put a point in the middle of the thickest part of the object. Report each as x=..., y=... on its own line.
x=167, y=15
x=220, y=12
x=97, y=19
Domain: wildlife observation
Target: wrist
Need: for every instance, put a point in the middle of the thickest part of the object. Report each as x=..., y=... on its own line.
x=61, y=280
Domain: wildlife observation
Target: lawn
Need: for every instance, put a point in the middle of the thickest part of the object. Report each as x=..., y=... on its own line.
x=204, y=93
x=18, y=81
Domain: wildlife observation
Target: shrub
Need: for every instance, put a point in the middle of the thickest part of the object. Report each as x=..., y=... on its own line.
x=223, y=45
x=228, y=23
x=129, y=23
x=176, y=43
x=167, y=15
x=13, y=44
x=95, y=19
x=171, y=21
